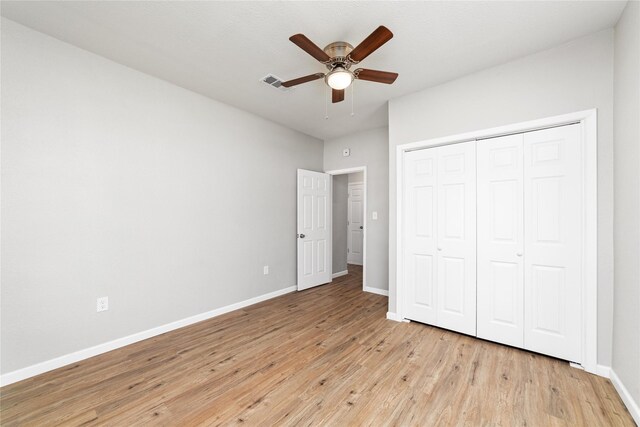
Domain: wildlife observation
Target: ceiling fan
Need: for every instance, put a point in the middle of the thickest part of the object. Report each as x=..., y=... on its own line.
x=338, y=57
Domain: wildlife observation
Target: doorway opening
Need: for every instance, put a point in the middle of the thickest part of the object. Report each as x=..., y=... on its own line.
x=349, y=234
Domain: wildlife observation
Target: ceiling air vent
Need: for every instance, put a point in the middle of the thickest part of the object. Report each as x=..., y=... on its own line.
x=274, y=81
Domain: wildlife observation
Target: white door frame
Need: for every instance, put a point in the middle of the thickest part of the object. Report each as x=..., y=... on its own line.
x=364, y=215
x=588, y=121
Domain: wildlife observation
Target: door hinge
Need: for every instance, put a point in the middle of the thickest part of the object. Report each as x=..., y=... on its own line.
x=348, y=250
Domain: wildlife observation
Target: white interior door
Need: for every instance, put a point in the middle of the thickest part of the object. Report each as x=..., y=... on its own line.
x=419, y=236
x=314, y=229
x=500, y=289
x=456, y=237
x=355, y=226
x=553, y=241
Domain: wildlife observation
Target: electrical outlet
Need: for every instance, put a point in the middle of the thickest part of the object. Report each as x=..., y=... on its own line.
x=102, y=304
x=265, y=270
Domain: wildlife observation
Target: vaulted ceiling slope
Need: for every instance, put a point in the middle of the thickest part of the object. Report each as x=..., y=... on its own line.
x=223, y=49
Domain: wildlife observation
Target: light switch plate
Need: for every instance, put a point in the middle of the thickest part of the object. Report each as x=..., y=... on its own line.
x=346, y=152
x=374, y=215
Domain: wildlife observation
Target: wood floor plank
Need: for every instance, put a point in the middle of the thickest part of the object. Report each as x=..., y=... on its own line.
x=324, y=356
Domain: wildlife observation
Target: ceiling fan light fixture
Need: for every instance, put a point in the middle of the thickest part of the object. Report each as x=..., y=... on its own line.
x=339, y=78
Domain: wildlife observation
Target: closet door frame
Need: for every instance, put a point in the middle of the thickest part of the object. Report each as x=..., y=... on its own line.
x=588, y=138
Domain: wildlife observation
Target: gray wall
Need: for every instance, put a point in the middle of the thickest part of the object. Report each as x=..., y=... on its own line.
x=356, y=177
x=118, y=184
x=340, y=207
x=626, y=319
x=370, y=149
x=573, y=77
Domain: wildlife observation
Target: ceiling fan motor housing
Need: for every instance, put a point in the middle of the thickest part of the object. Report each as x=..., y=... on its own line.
x=338, y=51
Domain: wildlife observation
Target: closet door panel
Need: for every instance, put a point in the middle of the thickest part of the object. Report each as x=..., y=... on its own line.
x=553, y=242
x=456, y=237
x=500, y=284
x=419, y=236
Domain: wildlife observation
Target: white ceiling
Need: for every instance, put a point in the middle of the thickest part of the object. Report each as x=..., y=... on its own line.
x=222, y=49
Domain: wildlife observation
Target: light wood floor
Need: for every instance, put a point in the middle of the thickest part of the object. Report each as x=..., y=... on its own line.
x=325, y=356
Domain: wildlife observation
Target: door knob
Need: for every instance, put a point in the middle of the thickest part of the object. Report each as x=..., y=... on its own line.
x=439, y=249
x=302, y=236
x=360, y=227
x=519, y=253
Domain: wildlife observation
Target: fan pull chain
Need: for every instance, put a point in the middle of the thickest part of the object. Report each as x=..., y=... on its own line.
x=326, y=104
x=353, y=88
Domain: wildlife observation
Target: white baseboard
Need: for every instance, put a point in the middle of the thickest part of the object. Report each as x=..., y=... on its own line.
x=603, y=371
x=376, y=291
x=393, y=316
x=58, y=362
x=339, y=273
x=354, y=263
x=626, y=397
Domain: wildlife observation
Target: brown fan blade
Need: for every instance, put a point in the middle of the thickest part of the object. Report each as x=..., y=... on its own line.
x=376, y=39
x=310, y=47
x=375, y=76
x=305, y=79
x=337, y=95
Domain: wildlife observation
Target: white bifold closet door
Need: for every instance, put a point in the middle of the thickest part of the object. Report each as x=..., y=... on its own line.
x=553, y=242
x=501, y=240
x=440, y=236
x=530, y=241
